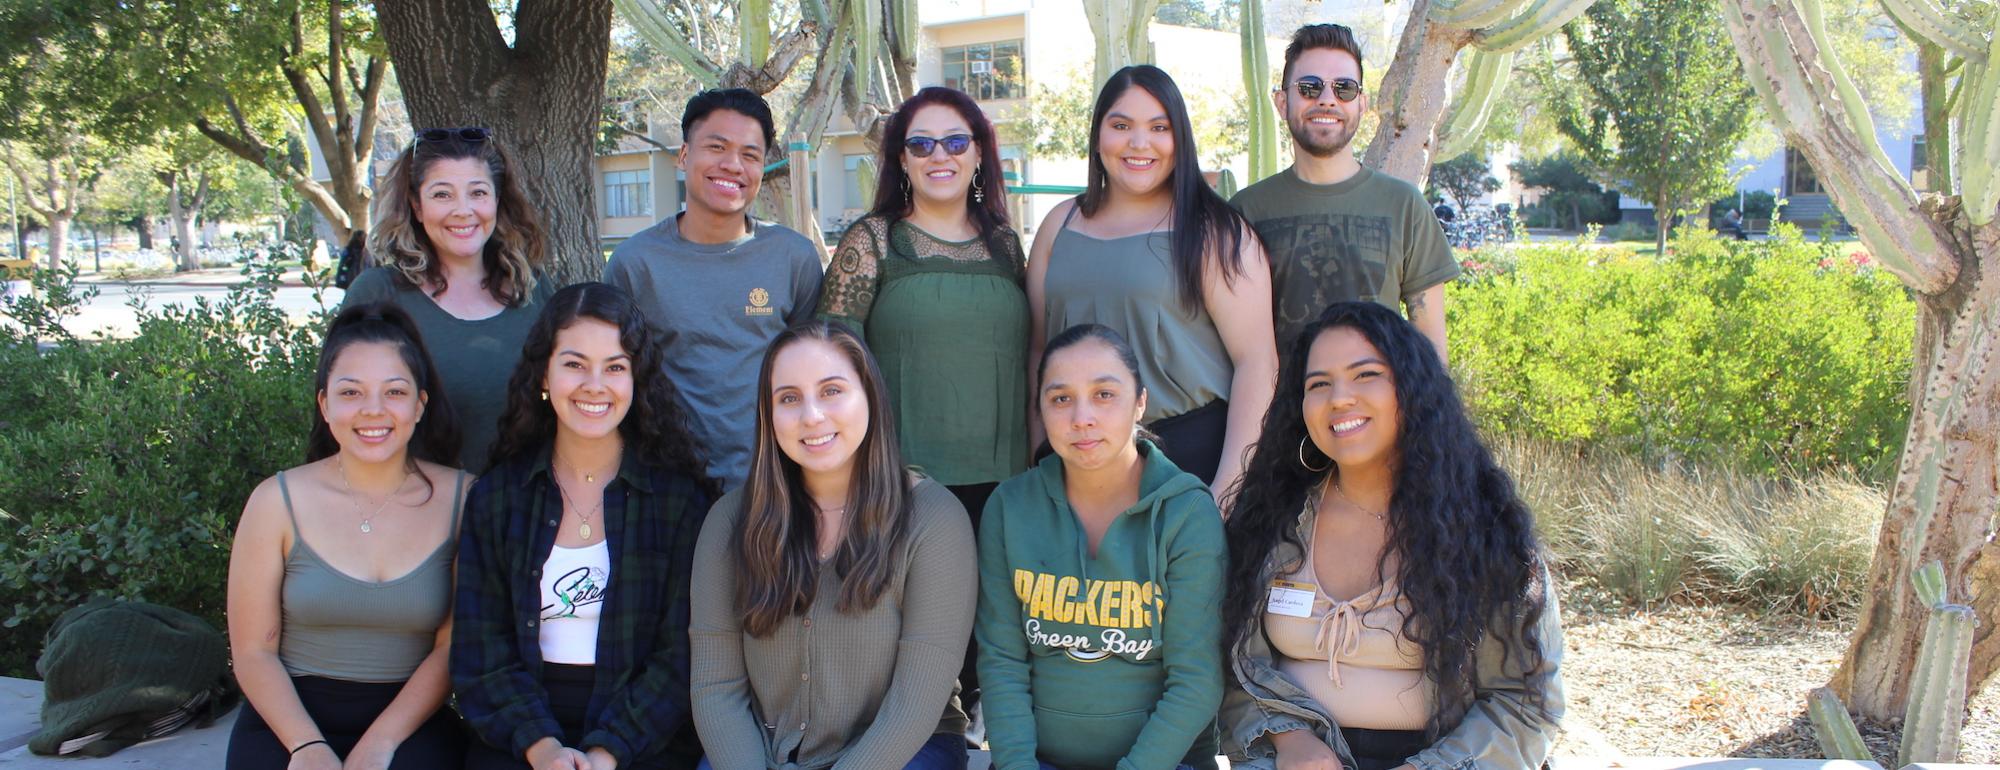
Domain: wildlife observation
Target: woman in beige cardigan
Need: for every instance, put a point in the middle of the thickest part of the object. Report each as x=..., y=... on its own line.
x=839, y=587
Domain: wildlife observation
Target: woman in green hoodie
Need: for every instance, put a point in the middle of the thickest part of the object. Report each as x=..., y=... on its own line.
x=1100, y=578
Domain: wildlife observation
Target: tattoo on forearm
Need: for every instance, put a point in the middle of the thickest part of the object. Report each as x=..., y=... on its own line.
x=1416, y=305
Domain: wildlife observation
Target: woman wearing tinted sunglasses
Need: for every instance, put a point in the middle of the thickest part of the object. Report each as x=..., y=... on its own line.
x=932, y=278
x=1152, y=252
x=459, y=245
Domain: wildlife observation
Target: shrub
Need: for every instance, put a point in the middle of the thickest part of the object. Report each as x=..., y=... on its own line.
x=126, y=461
x=1629, y=231
x=1644, y=535
x=1766, y=356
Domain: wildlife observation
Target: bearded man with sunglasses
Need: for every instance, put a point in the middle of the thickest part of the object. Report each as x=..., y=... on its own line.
x=1336, y=231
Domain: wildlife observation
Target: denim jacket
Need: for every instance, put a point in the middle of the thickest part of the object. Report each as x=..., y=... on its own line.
x=1501, y=728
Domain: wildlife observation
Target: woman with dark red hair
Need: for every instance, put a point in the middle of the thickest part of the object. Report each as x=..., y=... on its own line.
x=932, y=278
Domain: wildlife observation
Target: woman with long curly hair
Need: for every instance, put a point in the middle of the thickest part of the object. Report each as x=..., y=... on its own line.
x=1388, y=602
x=458, y=245
x=573, y=590
x=837, y=593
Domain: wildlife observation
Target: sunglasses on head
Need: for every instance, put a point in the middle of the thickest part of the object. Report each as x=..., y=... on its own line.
x=467, y=135
x=924, y=146
x=1310, y=87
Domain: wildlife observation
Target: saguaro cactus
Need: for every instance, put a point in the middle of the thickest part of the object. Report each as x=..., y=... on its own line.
x=1119, y=26
x=1264, y=119
x=1411, y=99
x=1947, y=489
x=1937, y=700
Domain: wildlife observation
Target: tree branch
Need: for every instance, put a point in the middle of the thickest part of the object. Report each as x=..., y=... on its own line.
x=1785, y=65
x=659, y=29
x=785, y=55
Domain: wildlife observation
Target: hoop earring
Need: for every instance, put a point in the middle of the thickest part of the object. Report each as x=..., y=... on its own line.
x=1302, y=458
x=978, y=194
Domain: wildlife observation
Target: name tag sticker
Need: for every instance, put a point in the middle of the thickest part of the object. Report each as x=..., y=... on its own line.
x=1290, y=599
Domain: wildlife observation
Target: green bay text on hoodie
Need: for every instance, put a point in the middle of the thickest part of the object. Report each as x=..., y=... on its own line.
x=1106, y=662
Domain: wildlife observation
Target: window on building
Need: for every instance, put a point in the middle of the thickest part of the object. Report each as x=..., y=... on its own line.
x=628, y=193
x=986, y=70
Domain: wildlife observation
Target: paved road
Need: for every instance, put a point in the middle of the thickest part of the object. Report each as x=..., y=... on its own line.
x=112, y=314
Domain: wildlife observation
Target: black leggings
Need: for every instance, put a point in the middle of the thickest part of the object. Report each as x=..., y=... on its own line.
x=569, y=700
x=1383, y=749
x=973, y=497
x=342, y=711
x=1193, y=440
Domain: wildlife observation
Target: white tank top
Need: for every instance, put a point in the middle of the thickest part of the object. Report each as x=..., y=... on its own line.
x=574, y=583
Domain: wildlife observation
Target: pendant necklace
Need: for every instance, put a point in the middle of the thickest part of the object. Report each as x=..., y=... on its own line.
x=582, y=529
x=1350, y=501
x=367, y=520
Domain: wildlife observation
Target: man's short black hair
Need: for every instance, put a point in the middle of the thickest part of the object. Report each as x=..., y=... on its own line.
x=739, y=100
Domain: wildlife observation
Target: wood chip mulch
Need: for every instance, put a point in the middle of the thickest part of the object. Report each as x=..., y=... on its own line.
x=1716, y=682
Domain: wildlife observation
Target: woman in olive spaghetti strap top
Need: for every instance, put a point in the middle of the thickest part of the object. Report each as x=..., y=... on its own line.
x=340, y=575
x=1151, y=251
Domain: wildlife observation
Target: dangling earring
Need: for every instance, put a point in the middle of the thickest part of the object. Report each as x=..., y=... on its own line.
x=907, y=187
x=1306, y=465
x=978, y=193
x=545, y=395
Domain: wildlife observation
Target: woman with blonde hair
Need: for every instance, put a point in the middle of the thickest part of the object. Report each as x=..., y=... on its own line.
x=459, y=245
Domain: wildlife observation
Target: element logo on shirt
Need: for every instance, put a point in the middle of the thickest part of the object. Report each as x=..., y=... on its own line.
x=1113, y=606
x=577, y=588
x=760, y=303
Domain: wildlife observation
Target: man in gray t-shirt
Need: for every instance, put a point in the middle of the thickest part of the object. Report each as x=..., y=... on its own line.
x=718, y=284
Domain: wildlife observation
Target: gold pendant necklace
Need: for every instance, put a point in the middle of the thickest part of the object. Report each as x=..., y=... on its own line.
x=367, y=520
x=583, y=529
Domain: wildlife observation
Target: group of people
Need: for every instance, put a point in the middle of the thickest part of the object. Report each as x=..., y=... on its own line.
x=1179, y=478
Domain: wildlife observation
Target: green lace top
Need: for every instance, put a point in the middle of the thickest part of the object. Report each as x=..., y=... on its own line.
x=948, y=323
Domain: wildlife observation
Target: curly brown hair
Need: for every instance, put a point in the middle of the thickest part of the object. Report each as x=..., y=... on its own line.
x=516, y=250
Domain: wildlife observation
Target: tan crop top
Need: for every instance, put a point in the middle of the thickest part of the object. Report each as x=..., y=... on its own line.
x=1351, y=656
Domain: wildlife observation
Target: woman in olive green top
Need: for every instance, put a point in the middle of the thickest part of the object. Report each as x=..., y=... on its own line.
x=932, y=278
x=459, y=244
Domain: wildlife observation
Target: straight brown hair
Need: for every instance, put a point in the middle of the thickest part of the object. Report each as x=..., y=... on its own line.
x=777, y=569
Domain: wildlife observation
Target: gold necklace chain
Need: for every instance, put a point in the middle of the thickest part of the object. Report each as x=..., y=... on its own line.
x=367, y=520
x=582, y=528
x=1350, y=501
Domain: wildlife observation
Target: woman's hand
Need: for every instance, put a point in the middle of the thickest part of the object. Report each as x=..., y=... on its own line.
x=550, y=754
x=318, y=756
x=601, y=759
x=1301, y=750
x=369, y=755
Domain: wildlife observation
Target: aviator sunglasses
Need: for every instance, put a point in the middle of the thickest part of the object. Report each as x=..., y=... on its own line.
x=924, y=146
x=1310, y=86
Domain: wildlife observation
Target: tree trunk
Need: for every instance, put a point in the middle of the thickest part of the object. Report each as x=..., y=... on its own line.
x=181, y=215
x=541, y=97
x=144, y=226
x=1413, y=96
x=1662, y=219
x=58, y=238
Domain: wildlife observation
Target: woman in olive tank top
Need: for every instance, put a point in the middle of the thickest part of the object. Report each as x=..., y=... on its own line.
x=340, y=572
x=1152, y=252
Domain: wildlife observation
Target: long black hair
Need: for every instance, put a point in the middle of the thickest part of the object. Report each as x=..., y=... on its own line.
x=654, y=424
x=1470, y=558
x=1202, y=220
x=892, y=200
x=433, y=439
